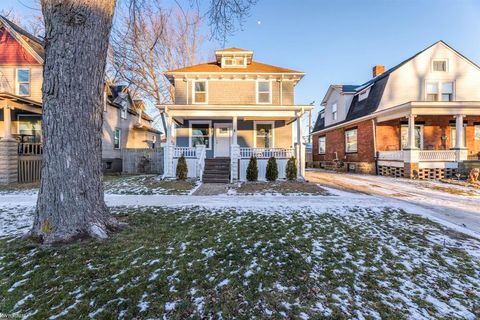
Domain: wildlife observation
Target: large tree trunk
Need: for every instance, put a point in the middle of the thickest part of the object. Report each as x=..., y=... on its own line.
x=71, y=202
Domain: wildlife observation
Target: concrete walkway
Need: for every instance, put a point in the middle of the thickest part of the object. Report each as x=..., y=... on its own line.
x=461, y=210
x=211, y=189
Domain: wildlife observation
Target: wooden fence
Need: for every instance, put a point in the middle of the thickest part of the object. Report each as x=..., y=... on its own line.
x=29, y=162
x=136, y=161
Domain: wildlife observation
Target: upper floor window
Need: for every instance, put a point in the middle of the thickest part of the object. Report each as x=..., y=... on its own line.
x=439, y=65
x=439, y=91
x=322, y=145
x=123, y=112
x=363, y=95
x=334, y=111
x=116, y=138
x=351, y=140
x=233, y=62
x=200, y=92
x=23, y=82
x=264, y=91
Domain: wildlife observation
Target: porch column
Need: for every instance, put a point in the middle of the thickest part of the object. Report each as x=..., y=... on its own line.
x=461, y=152
x=411, y=132
x=234, y=130
x=168, y=150
x=8, y=151
x=459, y=132
x=300, y=148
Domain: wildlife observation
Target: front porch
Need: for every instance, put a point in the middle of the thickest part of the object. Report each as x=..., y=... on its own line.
x=427, y=140
x=234, y=132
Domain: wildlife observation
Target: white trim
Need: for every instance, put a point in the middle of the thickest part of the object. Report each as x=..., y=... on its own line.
x=440, y=89
x=334, y=115
x=193, y=91
x=270, y=93
x=209, y=122
x=439, y=59
x=221, y=125
x=422, y=127
x=17, y=83
x=345, y=137
x=255, y=132
x=318, y=145
x=22, y=41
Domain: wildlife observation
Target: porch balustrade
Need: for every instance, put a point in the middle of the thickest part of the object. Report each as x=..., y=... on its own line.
x=265, y=153
x=188, y=152
x=437, y=155
x=391, y=155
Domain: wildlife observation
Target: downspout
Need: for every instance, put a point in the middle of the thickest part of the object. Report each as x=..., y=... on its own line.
x=374, y=130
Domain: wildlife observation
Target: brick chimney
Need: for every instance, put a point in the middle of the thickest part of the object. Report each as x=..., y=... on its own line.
x=378, y=70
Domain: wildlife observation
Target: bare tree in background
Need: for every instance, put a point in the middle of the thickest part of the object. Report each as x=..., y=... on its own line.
x=71, y=200
x=33, y=23
x=150, y=41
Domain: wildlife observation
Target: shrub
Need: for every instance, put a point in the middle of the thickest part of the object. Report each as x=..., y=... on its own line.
x=252, y=169
x=272, y=169
x=291, y=170
x=182, y=169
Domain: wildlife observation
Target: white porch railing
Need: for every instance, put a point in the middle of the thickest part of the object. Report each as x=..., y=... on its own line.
x=391, y=155
x=186, y=151
x=437, y=155
x=201, y=154
x=265, y=153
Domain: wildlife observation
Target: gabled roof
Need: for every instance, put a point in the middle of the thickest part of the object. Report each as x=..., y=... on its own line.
x=118, y=94
x=232, y=49
x=214, y=67
x=26, y=39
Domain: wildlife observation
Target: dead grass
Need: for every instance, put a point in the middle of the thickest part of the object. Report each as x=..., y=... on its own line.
x=455, y=191
x=19, y=187
x=282, y=187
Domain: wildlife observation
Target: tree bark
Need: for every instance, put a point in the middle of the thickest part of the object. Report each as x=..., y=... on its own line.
x=71, y=201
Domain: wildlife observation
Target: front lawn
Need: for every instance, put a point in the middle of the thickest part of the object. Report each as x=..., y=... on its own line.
x=280, y=188
x=146, y=185
x=223, y=264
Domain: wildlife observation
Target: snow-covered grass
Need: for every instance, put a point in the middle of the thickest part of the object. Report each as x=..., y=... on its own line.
x=147, y=185
x=176, y=263
x=294, y=188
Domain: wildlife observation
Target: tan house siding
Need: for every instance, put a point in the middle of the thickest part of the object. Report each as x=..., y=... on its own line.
x=8, y=81
x=234, y=92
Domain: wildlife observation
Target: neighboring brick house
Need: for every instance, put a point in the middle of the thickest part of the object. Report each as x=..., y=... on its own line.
x=419, y=118
x=235, y=107
x=21, y=74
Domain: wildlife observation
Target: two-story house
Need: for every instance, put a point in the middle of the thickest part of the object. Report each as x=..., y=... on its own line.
x=21, y=74
x=420, y=118
x=231, y=109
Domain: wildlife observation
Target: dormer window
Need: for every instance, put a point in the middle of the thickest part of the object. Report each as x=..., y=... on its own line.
x=233, y=62
x=363, y=95
x=439, y=65
x=334, y=111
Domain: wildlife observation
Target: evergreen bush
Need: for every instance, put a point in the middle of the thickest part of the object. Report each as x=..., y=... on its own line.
x=291, y=170
x=272, y=169
x=182, y=169
x=252, y=169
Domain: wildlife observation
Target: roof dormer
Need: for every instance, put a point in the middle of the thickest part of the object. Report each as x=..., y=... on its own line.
x=233, y=57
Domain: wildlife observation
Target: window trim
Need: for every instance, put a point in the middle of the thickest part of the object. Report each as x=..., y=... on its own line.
x=436, y=60
x=363, y=94
x=255, y=132
x=270, y=92
x=17, y=83
x=123, y=113
x=234, y=65
x=422, y=128
x=194, y=91
x=334, y=114
x=325, y=143
x=345, y=138
x=439, y=84
x=209, y=122
x=119, y=138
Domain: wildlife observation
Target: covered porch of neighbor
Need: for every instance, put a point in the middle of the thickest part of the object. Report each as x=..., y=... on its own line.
x=236, y=132
x=427, y=139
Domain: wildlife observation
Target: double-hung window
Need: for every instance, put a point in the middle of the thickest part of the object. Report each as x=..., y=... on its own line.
x=439, y=65
x=418, y=136
x=322, y=145
x=23, y=82
x=439, y=91
x=200, y=92
x=334, y=111
x=351, y=141
x=117, y=136
x=264, y=91
x=264, y=135
x=200, y=133
x=477, y=132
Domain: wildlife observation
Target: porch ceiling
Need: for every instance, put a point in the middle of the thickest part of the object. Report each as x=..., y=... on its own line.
x=424, y=108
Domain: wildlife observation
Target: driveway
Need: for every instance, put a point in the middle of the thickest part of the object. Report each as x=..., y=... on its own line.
x=455, y=204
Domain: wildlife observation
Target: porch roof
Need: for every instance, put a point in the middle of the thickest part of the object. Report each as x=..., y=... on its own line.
x=270, y=112
x=427, y=108
x=18, y=102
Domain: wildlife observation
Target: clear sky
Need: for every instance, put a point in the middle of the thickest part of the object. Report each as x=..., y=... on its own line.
x=338, y=41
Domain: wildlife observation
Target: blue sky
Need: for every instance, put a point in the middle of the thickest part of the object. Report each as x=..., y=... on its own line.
x=338, y=41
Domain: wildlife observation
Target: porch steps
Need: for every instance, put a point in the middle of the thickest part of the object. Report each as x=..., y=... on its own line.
x=216, y=170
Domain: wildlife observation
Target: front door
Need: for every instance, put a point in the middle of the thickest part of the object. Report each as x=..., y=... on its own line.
x=223, y=134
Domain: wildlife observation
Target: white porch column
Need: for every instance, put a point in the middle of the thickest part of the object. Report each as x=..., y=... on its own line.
x=411, y=132
x=7, y=123
x=168, y=151
x=300, y=147
x=234, y=130
x=459, y=132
